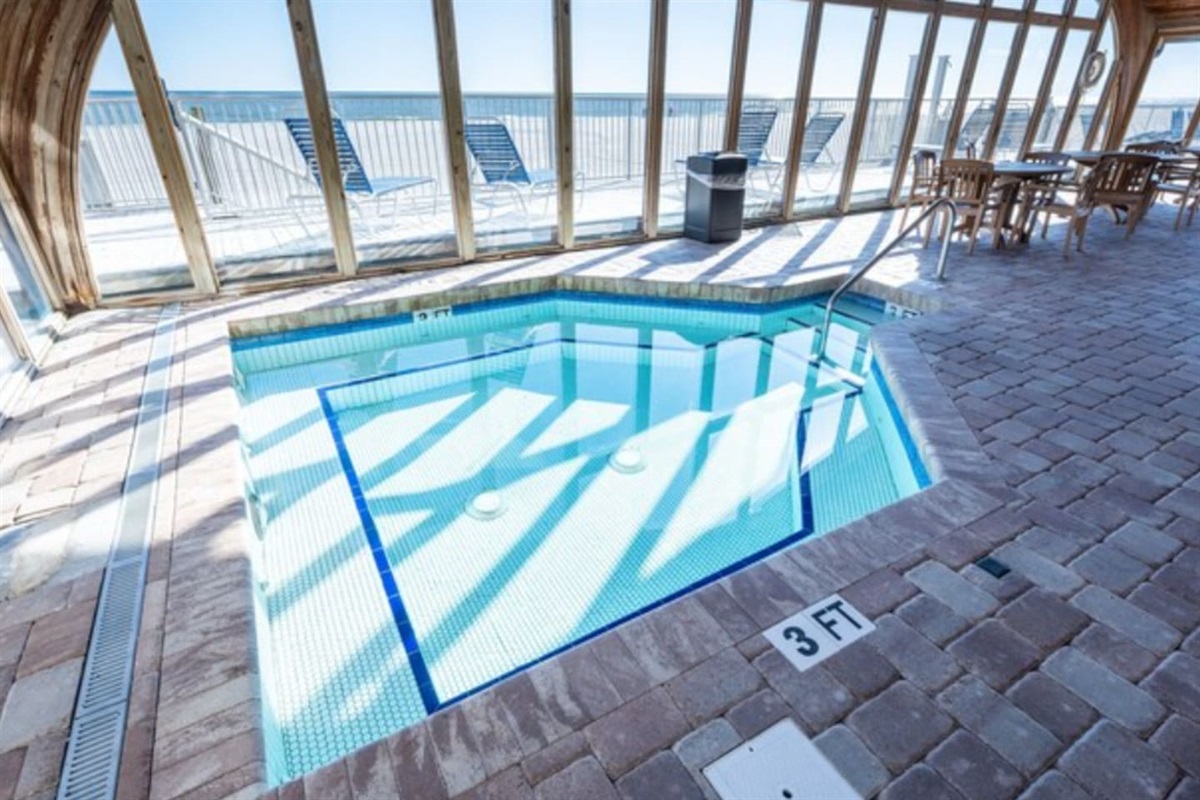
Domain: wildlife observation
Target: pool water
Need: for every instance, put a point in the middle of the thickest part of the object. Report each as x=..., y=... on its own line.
x=443, y=502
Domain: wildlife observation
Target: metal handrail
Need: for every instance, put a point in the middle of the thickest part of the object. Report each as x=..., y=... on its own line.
x=937, y=205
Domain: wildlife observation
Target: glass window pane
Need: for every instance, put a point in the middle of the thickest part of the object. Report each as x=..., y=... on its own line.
x=610, y=53
x=1049, y=6
x=981, y=101
x=836, y=75
x=1169, y=94
x=8, y=364
x=699, y=49
x=24, y=292
x=890, y=103
x=777, y=30
x=506, y=62
x=1087, y=114
x=380, y=60
x=945, y=73
x=1015, y=4
x=1087, y=8
x=1038, y=43
x=232, y=77
x=1060, y=89
x=132, y=240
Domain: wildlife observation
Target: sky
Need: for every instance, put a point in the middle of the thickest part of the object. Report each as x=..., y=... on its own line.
x=506, y=46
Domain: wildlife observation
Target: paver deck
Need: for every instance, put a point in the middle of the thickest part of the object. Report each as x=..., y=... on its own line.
x=1061, y=400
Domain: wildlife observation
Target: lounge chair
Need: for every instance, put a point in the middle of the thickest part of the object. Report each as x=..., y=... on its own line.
x=818, y=133
x=499, y=162
x=354, y=177
x=975, y=127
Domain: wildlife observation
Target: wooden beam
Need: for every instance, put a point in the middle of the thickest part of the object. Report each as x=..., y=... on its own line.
x=866, y=80
x=1017, y=49
x=812, y=37
x=950, y=146
x=454, y=128
x=1076, y=91
x=1115, y=134
x=563, y=130
x=1092, y=134
x=655, y=106
x=1189, y=132
x=156, y=114
x=909, y=134
x=320, y=116
x=1042, y=99
x=737, y=73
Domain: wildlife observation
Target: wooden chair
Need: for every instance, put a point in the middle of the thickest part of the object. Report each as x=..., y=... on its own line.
x=1041, y=193
x=1123, y=180
x=1186, y=188
x=968, y=183
x=924, y=182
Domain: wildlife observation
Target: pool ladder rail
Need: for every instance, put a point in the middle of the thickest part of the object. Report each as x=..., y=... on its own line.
x=941, y=204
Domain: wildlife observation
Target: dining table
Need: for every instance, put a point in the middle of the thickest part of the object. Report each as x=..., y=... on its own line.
x=1018, y=175
x=1090, y=158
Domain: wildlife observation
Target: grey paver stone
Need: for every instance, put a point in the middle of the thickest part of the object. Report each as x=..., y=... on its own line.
x=39, y=703
x=1119, y=653
x=857, y=764
x=936, y=621
x=554, y=757
x=758, y=712
x=949, y=587
x=507, y=785
x=1043, y=618
x=1188, y=789
x=975, y=769
x=706, y=744
x=459, y=758
x=1112, y=763
x=1001, y=725
x=815, y=694
x=900, y=725
x=918, y=660
x=1145, y=543
x=370, y=772
x=879, y=592
x=1053, y=705
x=414, y=761
x=624, y=737
x=623, y=670
x=920, y=783
x=660, y=777
x=1170, y=608
x=1179, y=739
x=1055, y=786
x=1107, y=566
x=1109, y=693
x=1176, y=683
x=862, y=670
x=1124, y=617
x=712, y=686
x=1036, y=567
x=498, y=746
x=582, y=780
x=995, y=653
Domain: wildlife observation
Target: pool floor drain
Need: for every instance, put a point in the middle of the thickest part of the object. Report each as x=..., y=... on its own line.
x=487, y=505
x=627, y=459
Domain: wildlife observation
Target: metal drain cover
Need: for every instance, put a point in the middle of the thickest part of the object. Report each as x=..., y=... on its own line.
x=778, y=764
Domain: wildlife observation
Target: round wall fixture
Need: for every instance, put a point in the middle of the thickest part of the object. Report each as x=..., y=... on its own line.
x=1093, y=69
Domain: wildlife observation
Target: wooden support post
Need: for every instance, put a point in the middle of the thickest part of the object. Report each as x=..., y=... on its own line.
x=1189, y=132
x=1006, y=83
x=320, y=117
x=454, y=128
x=564, y=110
x=928, y=45
x=157, y=116
x=1115, y=134
x=812, y=35
x=655, y=107
x=737, y=73
x=962, y=97
x=866, y=80
x=1043, y=95
x=1069, y=112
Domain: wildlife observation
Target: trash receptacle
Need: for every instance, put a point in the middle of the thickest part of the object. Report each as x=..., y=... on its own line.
x=716, y=192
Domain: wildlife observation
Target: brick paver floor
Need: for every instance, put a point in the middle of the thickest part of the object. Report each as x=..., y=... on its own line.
x=1075, y=675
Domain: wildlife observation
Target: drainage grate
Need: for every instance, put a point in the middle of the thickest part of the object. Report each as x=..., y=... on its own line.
x=993, y=566
x=98, y=728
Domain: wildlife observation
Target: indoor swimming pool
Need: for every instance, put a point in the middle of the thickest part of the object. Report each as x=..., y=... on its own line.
x=446, y=497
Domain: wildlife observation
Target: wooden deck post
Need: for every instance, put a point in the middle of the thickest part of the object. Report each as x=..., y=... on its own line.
x=454, y=127
x=320, y=116
x=812, y=34
x=655, y=106
x=156, y=113
x=564, y=111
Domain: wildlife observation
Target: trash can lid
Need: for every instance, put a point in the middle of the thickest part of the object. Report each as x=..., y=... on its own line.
x=718, y=163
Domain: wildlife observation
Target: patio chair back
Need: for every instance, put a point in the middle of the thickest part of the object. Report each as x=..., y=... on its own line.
x=354, y=177
x=755, y=130
x=1047, y=157
x=494, y=152
x=1120, y=179
x=817, y=135
x=924, y=169
x=966, y=180
x=1157, y=146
